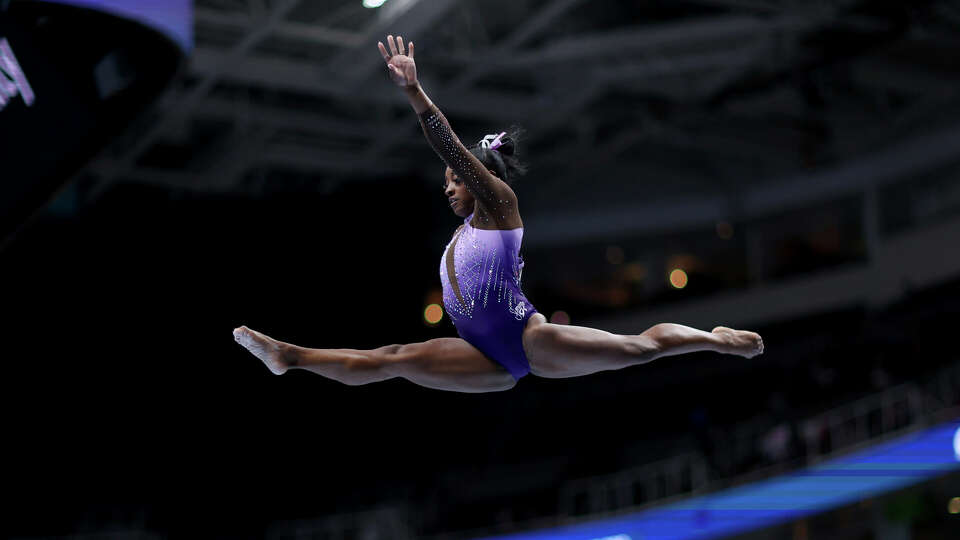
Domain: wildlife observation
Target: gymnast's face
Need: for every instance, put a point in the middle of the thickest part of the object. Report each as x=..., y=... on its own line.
x=461, y=201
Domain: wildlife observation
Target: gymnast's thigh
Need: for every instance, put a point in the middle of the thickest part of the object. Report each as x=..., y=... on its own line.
x=449, y=364
x=560, y=350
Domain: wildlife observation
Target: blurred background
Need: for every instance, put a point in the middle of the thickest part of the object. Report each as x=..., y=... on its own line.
x=173, y=170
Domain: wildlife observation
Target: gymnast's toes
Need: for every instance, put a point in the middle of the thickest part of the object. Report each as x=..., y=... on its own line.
x=741, y=342
x=754, y=343
x=238, y=333
x=271, y=352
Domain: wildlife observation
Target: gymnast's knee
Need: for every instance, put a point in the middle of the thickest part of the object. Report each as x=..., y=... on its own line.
x=376, y=359
x=544, y=334
x=400, y=359
x=663, y=334
x=389, y=352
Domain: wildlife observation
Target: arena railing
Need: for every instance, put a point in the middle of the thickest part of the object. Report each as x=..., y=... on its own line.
x=866, y=421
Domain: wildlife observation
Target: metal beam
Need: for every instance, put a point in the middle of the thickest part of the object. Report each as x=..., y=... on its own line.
x=759, y=6
x=311, y=33
x=556, y=114
x=298, y=158
x=910, y=157
x=649, y=128
x=523, y=33
x=655, y=39
x=285, y=118
x=738, y=58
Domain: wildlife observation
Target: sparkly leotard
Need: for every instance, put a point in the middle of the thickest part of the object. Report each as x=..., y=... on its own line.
x=490, y=311
x=483, y=297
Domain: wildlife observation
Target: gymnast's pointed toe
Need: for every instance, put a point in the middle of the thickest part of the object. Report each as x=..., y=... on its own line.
x=740, y=342
x=271, y=352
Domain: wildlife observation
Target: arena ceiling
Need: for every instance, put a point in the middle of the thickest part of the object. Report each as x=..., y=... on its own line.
x=640, y=115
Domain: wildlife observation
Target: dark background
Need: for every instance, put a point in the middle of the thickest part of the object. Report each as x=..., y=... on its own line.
x=277, y=188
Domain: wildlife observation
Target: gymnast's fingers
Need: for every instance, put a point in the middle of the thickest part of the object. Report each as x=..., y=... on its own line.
x=410, y=52
x=400, y=45
x=383, y=51
x=392, y=45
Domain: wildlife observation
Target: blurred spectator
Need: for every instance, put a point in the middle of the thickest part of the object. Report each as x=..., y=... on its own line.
x=812, y=431
x=775, y=445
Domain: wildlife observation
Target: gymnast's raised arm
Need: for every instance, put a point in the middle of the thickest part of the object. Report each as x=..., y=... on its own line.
x=493, y=193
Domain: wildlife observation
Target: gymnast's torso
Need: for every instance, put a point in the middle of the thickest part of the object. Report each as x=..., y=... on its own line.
x=480, y=271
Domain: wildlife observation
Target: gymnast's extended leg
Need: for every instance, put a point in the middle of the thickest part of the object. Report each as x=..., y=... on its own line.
x=569, y=351
x=442, y=363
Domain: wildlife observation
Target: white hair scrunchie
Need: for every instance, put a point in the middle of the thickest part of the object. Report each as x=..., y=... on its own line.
x=492, y=141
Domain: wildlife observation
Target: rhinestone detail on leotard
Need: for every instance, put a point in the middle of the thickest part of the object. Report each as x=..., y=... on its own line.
x=481, y=269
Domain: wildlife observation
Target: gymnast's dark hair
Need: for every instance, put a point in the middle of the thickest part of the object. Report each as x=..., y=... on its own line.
x=503, y=161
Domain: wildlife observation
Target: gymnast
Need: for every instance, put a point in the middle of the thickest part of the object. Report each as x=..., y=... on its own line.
x=502, y=336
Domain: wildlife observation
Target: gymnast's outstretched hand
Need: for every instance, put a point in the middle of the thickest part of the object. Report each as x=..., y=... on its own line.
x=403, y=70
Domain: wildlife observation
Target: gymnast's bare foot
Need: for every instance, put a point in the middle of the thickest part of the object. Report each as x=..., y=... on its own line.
x=276, y=355
x=740, y=342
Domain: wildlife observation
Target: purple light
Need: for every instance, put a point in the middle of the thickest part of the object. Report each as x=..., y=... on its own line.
x=12, y=79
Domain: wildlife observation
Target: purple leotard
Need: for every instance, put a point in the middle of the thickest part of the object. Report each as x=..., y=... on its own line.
x=490, y=311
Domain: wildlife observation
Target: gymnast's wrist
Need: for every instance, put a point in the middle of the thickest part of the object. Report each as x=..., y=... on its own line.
x=413, y=90
x=417, y=98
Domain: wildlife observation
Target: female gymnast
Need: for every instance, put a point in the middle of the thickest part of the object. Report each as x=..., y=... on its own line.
x=502, y=337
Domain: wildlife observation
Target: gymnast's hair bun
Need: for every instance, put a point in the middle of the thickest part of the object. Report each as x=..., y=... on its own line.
x=507, y=146
x=503, y=161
